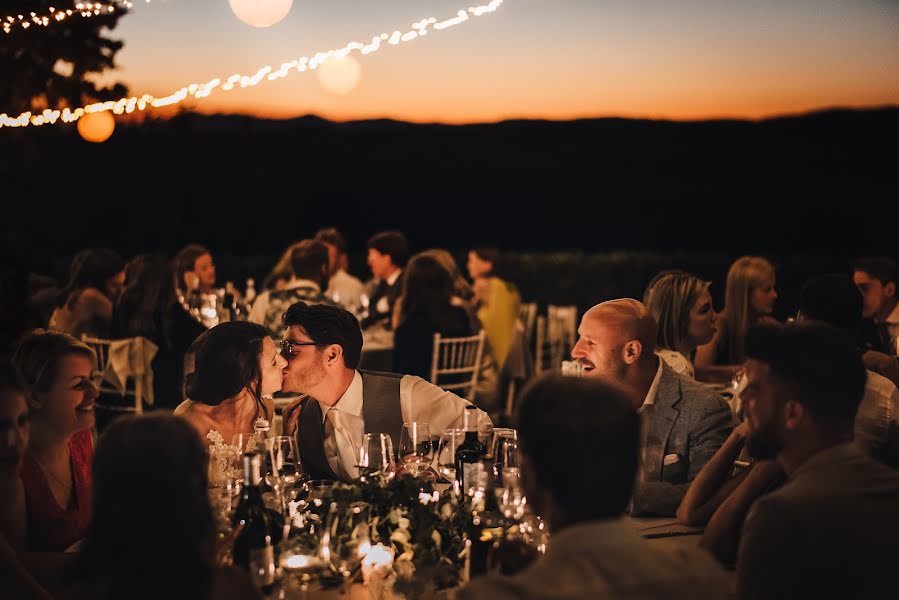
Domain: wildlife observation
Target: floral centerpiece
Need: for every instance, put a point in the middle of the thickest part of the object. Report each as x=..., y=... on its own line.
x=423, y=528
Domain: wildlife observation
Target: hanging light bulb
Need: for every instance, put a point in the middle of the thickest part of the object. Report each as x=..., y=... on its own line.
x=339, y=75
x=260, y=13
x=96, y=127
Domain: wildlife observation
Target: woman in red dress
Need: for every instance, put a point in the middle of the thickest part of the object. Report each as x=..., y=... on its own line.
x=56, y=472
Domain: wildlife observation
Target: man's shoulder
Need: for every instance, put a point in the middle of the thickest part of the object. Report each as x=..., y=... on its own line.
x=694, y=395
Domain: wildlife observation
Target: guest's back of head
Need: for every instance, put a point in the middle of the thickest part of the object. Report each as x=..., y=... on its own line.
x=309, y=260
x=393, y=244
x=152, y=533
x=580, y=438
x=95, y=268
x=146, y=303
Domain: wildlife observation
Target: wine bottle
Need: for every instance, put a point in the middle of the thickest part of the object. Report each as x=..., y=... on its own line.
x=254, y=546
x=469, y=453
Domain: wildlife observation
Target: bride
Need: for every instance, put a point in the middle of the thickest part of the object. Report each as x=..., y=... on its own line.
x=237, y=369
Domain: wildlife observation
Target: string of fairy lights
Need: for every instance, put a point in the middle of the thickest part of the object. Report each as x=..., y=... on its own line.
x=81, y=9
x=265, y=73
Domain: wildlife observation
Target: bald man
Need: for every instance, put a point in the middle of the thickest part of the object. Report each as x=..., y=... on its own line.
x=685, y=422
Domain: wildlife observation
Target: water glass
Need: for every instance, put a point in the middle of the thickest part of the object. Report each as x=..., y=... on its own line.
x=416, y=450
x=376, y=457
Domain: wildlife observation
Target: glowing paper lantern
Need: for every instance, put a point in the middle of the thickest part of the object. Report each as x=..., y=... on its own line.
x=260, y=13
x=339, y=75
x=96, y=127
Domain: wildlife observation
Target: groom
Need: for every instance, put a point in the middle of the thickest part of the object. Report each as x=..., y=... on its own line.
x=323, y=345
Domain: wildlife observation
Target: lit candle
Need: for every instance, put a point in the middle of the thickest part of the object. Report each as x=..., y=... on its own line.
x=378, y=557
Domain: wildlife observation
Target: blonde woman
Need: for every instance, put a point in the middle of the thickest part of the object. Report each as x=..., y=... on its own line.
x=682, y=306
x=748, y=299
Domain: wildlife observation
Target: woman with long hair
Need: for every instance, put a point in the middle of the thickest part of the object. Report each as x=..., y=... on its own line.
x=426, y=308
x=498, y=301
x=149, y=308
x=194, y=269
x=748, y=299
x=682, y=306
x=153, y=533
x=237, y=368
x=85, y=304
x=56, y=473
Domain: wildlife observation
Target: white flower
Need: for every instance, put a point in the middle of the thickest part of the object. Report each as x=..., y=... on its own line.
x=428, y=498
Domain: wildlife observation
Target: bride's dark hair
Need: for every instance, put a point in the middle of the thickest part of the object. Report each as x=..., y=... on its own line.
x=226, y=360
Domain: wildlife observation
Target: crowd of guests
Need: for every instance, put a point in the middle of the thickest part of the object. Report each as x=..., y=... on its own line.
x=780, y=439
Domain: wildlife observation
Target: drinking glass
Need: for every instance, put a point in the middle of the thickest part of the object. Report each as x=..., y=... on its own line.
x=416, y=450
x=446, y=453
x=346, y=539
x=376, y=457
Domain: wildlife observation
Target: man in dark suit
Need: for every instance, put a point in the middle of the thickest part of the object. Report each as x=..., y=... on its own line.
x=388, y=252
x=684, y=422
x=832, y=530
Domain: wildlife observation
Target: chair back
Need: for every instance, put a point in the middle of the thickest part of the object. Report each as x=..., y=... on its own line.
x=455, y=363
x=556, y=334
x=134, y=385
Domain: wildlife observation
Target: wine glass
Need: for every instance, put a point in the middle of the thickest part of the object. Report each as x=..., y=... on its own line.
x=500, y=436
x=446, y=453
x=346, y=539
x=416, y=450
x=376, y=457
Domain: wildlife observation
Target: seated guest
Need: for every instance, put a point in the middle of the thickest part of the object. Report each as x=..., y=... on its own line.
x=343, y=288
x=153, y=533
x=831, y=530
x=14, y=431
x=835, y=300
x=281, y=273
x=56, y=473
x=487, y=387
x=498, y=302
x=388, y=252
x=309, y=264
x=149, y=308
x=84, y=306
x=748, y=299
x=877, y=279
x=237, y=368
x=682, y=306
x=594, y=552
x=723, y=502
x=425, y=309
x=686, y=422
x=195, y=270
x=323, y=345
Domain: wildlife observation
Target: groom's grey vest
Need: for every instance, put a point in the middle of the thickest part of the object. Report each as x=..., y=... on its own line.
x=381, y=412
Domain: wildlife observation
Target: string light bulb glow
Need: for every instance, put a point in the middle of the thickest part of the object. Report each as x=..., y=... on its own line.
x=265, y=73
x=260, y=13
x=54, y=15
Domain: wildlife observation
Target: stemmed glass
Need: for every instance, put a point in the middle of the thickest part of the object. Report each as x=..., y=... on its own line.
x=346, y=539
x=376, y=457
x=416, y=450
x=283, y=467
x=446, y=453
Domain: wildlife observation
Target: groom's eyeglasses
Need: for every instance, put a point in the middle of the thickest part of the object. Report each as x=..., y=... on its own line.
x=287, y=347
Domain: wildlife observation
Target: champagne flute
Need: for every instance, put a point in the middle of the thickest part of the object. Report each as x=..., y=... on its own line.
x=376, y=457
x=416, y=450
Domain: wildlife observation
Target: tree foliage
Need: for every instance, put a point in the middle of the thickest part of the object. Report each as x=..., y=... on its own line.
x=58, y=65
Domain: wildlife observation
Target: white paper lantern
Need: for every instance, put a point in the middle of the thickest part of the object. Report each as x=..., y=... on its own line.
x=339, y=75
x=260, y=13
x=96, y=127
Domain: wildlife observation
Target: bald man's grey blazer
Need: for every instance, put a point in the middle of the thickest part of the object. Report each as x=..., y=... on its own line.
x=686, y=425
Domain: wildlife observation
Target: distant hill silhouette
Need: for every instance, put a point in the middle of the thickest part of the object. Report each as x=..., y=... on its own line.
x=820, y=181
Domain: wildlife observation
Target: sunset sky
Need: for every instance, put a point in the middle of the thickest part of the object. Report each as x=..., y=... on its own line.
x=557, y=59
